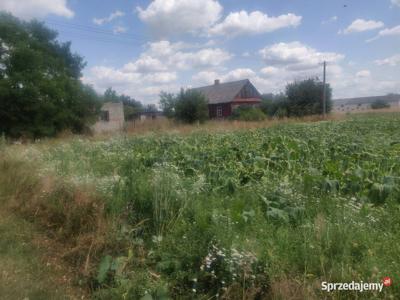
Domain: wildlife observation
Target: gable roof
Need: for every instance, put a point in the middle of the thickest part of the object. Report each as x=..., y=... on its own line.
x=367, y=100
x=222, y=92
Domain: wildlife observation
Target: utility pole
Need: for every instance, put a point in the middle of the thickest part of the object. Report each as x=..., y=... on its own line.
x=324, y=93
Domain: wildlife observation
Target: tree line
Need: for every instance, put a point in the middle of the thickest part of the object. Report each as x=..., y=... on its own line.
x=41, y=93
x=301, y=98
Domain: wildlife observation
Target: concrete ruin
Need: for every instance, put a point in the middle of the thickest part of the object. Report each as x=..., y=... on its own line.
x=111, y=118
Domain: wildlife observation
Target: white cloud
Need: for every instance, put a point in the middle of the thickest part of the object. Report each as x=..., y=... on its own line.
x=386, y=32
x=119, y=29
x=156, y=69
x=239, y=74
x=396, y=2
x=162, y=77
x=296, y=56
x=111, y=17
x=361, y=25
x=363, y=74
x=270, y=71
x=390, y=61
x=242, y=22
x=285, y=63
x=145, y=64
x=29, y=9
x=145, y=87
x=209, y=57
x=205, y=77
x=390, y=31
x=180, y=16
x=350, y=85
x=330, y=20
x=176, y=55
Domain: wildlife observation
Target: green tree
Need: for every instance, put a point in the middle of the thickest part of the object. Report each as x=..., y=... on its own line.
x=274, y=105
x=132, y=107
x=305, y=97
x=40, y=89
x=191, y=106
x=379, y=104
x=167, y=104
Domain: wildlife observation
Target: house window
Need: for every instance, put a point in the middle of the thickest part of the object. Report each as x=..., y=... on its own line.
x=219, y=111
x=105, y=116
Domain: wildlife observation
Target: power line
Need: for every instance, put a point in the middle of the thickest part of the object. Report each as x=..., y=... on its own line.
x=94, y=28
x=98, y=33
x=103, y=39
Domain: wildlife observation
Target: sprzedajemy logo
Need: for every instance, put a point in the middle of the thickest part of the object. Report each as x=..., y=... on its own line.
x=356, y=286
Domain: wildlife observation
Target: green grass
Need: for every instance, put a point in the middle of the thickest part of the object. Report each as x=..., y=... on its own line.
x=24, y=272
x=246, y=214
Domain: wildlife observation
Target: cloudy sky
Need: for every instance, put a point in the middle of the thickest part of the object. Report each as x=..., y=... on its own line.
x=143, y=47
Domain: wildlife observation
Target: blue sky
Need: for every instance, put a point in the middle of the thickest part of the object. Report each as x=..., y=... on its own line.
x=143, y=47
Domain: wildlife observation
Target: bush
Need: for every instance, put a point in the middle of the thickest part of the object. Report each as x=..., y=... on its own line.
x=274, y=105
x=305, y=97
x=248, y=113
x=188, y=106
x=167, y=104
x=379, y=104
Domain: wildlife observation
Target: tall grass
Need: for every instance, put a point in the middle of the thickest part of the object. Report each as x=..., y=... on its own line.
x=247, y=214
x=72, y=215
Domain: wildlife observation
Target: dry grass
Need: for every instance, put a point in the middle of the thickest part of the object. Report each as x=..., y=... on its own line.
x=70, y=216
x=163, y=125
x=30, y=264
x=166, y=126
x=369, y=111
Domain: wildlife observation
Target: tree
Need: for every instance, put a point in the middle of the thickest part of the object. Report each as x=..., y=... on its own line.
x=151, y=108
x=305, y=97
x=188, y=106
x=132, y=107
x=167, y=104
x=379, y=104
x=191, y=106
x=274, y=105
x=40, y=89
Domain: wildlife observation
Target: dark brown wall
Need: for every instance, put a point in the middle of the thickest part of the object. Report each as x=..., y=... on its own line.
x=226, y=110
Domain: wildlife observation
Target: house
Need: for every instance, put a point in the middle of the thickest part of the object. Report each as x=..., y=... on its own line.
x=364, y=103
x=223, y=98
x=111, y=118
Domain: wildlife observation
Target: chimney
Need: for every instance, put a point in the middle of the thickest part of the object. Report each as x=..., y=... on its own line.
x=216, y=81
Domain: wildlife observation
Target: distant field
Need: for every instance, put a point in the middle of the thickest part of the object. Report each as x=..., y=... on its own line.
x=250, y=214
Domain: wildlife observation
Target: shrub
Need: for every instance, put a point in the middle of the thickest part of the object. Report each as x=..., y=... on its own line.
x=167, y=104
x=188, y=106
x=305, y=97
x=191, y=106
x=248, y=113
x=274, y=105
x=379, y=104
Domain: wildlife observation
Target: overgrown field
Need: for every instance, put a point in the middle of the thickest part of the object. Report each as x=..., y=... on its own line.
x=257, y=214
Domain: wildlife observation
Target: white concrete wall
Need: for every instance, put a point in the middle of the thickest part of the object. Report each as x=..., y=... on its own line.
x=364, y=106
x=116, y=118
